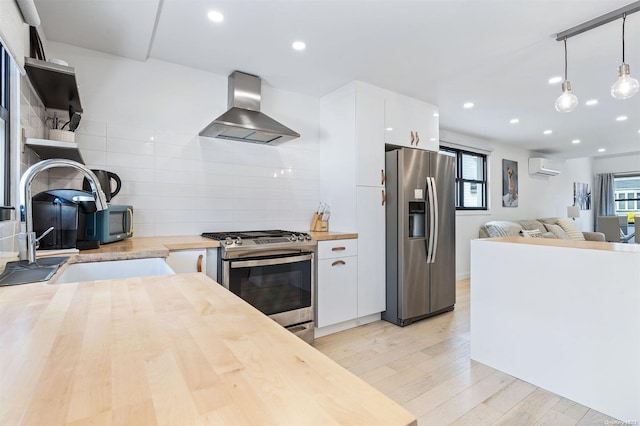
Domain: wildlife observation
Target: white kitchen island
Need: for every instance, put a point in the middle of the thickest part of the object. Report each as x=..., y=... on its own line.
x=562, y=315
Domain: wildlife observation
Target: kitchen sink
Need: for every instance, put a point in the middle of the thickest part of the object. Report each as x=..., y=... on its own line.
x=20, y=272
x=92, y=271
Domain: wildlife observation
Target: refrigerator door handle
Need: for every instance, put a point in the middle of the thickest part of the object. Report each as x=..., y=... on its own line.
x=434, y=249
x=431, y=219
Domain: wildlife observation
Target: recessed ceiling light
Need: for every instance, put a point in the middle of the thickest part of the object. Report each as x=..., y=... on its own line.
x=435, y=114
x=299, y=45
x=389, y=129
x=591, y=102
x=468, y=105
x=432, y=139
x=548, y=132
x=575, y=141
x=514, y=120
x=215, y=16
x=555, y=80
x=601, y=150
x=621, y=118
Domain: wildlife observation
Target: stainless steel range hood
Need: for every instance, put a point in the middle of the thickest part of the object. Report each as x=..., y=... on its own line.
x=244, y=121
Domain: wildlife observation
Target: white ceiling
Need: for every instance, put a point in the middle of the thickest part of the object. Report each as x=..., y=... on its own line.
x=497, y=54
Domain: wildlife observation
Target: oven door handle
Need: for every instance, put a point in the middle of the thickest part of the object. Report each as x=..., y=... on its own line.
x=235, y=264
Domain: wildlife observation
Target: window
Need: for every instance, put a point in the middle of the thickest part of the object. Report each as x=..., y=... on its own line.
x=471, y=179
x=627, y=195
x=5, y=185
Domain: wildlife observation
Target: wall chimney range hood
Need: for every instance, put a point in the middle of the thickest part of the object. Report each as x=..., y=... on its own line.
x=244, y=121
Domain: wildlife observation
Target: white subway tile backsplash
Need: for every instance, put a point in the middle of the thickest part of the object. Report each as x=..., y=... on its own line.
x=178, y=151
x=211, y=204
x=174, y=216
x=92, y=127
x=119, y=159
x=94, y=159
x=184, y=184
x=131, y=146
x=184, y=228
x=130, y=174
x=144, y=229
x=133, y=188
x=177, y=176
x=91, y=142
x=119, y=131
x=166, y=163
x=144, y=215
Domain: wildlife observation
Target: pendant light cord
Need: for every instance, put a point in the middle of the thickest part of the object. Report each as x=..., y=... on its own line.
x=565, y=59
x=624, y=18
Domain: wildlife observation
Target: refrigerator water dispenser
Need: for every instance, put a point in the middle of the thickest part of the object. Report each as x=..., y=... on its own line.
x=416, y=219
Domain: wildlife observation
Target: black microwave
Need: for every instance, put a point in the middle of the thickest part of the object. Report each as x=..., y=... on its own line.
x=113, y=224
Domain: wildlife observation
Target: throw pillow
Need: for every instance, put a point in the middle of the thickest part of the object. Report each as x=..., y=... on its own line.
x=502, y=229
x=549, y=235
x=569, y=226
x=530, y=225
x=534, y=233
x=557, y=231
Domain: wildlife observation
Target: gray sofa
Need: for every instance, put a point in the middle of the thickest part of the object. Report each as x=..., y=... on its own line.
x=550, y=227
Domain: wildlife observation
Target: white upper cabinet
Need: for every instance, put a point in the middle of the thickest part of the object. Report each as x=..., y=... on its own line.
x=410, y=122
x=370, y=135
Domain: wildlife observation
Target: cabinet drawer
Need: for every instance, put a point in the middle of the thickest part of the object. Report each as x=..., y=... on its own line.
x=337, y=248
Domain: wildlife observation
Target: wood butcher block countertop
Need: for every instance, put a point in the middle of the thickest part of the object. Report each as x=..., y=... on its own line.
x=171, y=350
x=144, y=247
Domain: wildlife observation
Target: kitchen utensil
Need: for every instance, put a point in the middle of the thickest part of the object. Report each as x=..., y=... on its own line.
x=104, y=178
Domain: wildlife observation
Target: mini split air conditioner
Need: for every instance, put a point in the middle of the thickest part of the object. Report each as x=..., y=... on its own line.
x=543, y=167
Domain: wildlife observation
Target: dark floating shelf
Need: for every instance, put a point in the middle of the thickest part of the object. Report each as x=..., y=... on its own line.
x=56, y=84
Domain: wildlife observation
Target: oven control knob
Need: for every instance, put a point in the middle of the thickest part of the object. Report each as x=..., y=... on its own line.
x=293, y=237
x=228, y=241
x=239, y=241
x=307, y=237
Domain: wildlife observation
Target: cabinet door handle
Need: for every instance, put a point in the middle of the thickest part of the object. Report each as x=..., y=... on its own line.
x=384, y=197
x=417, y=138
x=338, y=262
x=199, y=264
x=412, y=137
x=383, y=177
x=338, y=248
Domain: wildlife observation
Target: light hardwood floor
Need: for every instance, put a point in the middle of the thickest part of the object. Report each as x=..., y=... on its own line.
x=426, y=368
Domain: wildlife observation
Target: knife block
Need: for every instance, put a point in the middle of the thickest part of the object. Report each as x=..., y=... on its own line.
x=319, y=225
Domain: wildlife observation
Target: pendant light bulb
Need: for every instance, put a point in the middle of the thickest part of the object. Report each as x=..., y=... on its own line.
x=566, y=102
x=626, y=86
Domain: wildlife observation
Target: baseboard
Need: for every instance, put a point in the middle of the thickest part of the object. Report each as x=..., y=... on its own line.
x=335, y=328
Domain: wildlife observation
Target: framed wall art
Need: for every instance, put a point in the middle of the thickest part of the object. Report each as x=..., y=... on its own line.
x=509, y=183
x=582, y=195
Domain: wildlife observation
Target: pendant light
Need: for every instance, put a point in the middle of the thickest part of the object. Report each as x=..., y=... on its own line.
x=626, y=86
x=567, y=101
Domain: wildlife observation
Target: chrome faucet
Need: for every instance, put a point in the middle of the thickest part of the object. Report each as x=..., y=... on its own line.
x=28, y=239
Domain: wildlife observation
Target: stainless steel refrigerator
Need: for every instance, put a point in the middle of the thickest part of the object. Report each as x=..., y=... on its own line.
x=420, y=235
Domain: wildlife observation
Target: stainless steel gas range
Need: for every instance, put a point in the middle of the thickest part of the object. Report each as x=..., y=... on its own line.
x=274, y=272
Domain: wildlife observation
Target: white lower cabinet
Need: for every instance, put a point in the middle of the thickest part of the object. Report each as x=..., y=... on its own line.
x=192, y=260
x=337, y=286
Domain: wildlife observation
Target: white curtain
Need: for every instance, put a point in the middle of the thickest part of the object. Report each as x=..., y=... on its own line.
x=603, y=198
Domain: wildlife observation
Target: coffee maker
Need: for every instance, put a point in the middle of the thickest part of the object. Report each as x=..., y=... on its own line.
x=65, y=210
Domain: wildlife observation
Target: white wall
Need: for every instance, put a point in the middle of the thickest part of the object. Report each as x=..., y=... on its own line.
x=538, y=196
x=141, y=120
